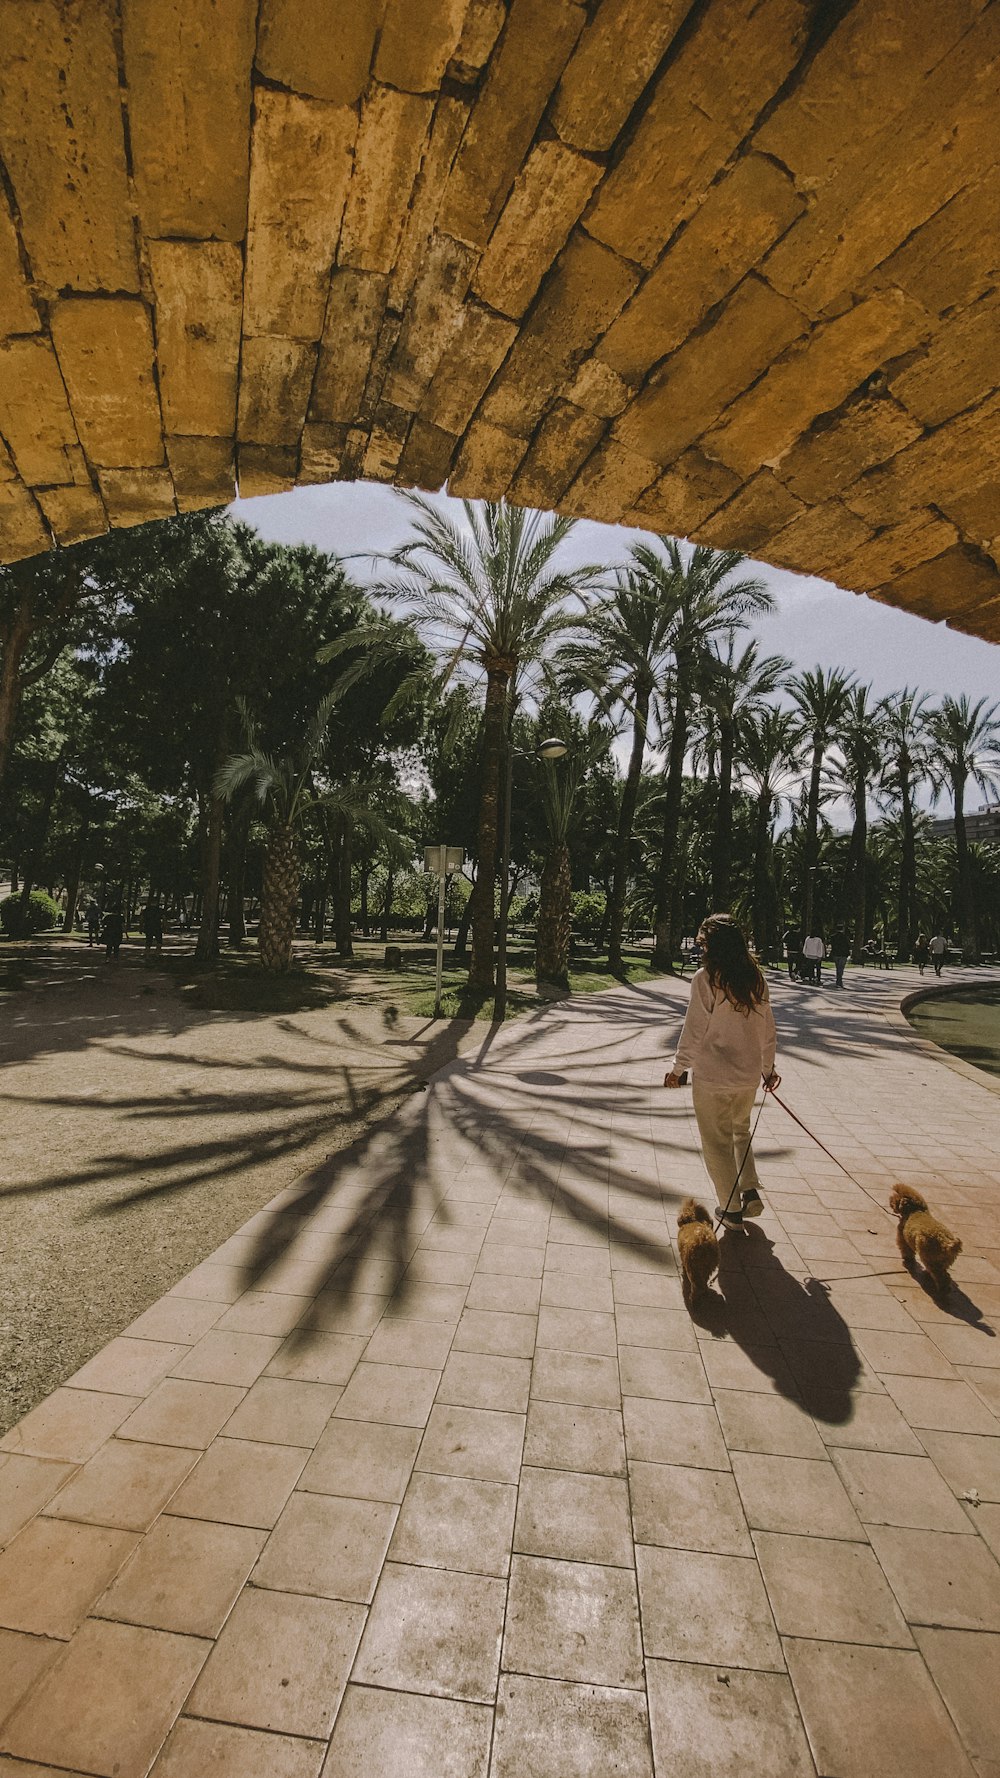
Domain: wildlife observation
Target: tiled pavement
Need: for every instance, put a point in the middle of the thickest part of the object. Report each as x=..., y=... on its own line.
x=427, y=1473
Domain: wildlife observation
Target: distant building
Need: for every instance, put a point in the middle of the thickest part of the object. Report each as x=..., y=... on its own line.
x=981, y=825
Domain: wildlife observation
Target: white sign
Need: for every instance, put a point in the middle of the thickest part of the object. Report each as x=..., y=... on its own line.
x=443, y=860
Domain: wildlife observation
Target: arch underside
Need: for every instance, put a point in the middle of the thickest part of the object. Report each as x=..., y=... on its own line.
x=725, y=269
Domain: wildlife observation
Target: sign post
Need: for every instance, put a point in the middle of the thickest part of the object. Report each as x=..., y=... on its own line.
x=444, y=860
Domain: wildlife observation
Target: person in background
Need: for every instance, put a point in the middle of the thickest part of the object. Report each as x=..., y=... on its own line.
x=792, y=942
x=728, y=1043
x=152, y=925
x=114, y=932
x=92, y=921
x=921, y=951
x=814, y=950
x=840, y=950
x=937, y=948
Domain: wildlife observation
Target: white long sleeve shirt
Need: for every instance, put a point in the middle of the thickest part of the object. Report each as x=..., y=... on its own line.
x=723, y=1046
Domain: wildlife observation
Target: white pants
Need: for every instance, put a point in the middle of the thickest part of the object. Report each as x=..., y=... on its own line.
x=724, y=1128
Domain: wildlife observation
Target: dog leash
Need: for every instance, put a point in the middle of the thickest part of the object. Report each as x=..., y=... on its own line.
x=721, y=1214
x=830, y=1156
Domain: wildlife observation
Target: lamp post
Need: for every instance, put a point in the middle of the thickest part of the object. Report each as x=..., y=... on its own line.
x=553, y=748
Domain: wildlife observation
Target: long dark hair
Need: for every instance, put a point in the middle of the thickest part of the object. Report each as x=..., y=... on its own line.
x=732, y=967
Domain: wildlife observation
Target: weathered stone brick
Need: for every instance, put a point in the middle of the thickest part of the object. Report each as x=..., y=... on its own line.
x=387, y=156
x=426, y=457
x=560, y=447
x=484, y=20
x=684, y=496
x=530, y=56
x=609, y=484
x=709, y=371
x=105, y=350
x=616, y=56
x=740, y=218
x=22, y=530
x=813, y=377
x=761, y=508
x=952, y=258
x=322, y=454
x=545, y=203
x=35, y=417
x=134, y=496
x=188, y=64
x=975, y=510
x=390, y=426
x=960, y=366
x=300, y=168
x=695, y=120
x=18, y=313
x=417, y=41
x=63, y=144
x=319, y=47
x=353, y=318
x=487, y=458
x=73, y=513
x=203, y=472
x=275, y=379
x=818, y=540
x=957, y=582
x=450, y=118
x=936, y=467
x=895, y=550
x=599, y=389
x=841, y=446
x=478, y=349
x=432, y=318
x=199, y=300
x=264, y=469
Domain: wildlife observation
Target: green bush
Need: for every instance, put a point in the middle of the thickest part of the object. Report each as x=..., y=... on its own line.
x=42, y=914
x=588, y=914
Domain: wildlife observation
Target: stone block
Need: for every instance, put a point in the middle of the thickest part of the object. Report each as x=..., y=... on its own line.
x=73, y=513
x=813, y=377
x=18, y=313
x=426, y=458
x=560, y=447
x=353, y=318
x=432, y=319
x=760, y=508
x=839, y=447
x=684, y=496
x=818, y=540
x=35, y=417
x=22, y=530
x=264, y=469
x=322, y=452
x=199, y=302
x=951, y=259
x=960, y=366
x=203, y=472
x=599, y=389
x=484, y=20
x=695, y=120
x=959, y=581
x=609, y=484
x=548, y=197
x=476, y=353
x=275, y=379
x=450, y=118
x=390, y=426
x=741, y=217
x=374, y=392
x=896, y=551
x=487, y=459
x=709, y=371
x=321, y=49
x=976, y=511
x=934, y=469
x=537, y=39
x=617, y=55
x=134, y=496
x=188, y=66
x=417, y=41
x=300, y=169
x=105, y=351
x=387, y=156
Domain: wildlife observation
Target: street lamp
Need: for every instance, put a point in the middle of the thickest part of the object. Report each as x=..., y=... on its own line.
x=551, y=749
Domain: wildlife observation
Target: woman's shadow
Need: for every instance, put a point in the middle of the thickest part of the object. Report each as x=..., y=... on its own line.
x=788, y=1328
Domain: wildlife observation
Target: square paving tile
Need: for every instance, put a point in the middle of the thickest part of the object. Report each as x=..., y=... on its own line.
x=581, y=1378
x=673, y=1432
x=181, y=1413
x=337, y=1311
x=212, y=1283
x=795, y=1494
x=941, y=1406
x=493, y=1293
x=108, y=1702
x=482, y=1380
x=573, y=1620
x=393, y=1394
x=663, y=1375
x=277, y=1411
x=688, y=1509
x=126, y=1485
x=362, y=1460
x=455, y=1522
x=966, y=1460
x=767, y=1423
x=829, y=1590
x=576, y=1290
x=327, y=1545
x=22, y=1659
x=487, y=1330
x=647, y=1290
x=27, y=1484
x=665, y=1330
x=707, y=1724
x=511, y=1259
x=431, y=1266
x=423, y=1343
x=427, y=1302
x=863, y=1422
x=964, y=1667
x=311, y=1357
x=699, y=1607
x=587, y=1440
x=379, y=1733
x=179, y=1318
x=574, y=1518
x=873, y=1710
x=221, y=1357
x=902, y=1355
x=475, y=1442
x=70, y=1424
x=553, y=1730
x=197, y=1749
x=238, y=1482
x=939, y=1578
x=758, y=1368
x=577, y=1330
x=54, y=1570
x=263, y=1312
x=430, y=1630
x=128, y=1367
x=184, y=1576
x=888, y=1489
x=281, y=1662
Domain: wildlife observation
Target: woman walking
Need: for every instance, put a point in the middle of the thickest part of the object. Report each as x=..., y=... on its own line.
x=728, y=1043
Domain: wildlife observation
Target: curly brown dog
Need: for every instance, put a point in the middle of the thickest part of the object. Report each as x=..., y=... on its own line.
x=922, y=1237
x=698, y=1248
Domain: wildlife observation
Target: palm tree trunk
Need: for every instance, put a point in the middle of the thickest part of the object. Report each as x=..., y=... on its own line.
x=623, y=838
x=213, y=809
x=907, y=870
x=965, y=910
x=390, y=884
x=462, y=929
x=554, y=916
x=810, y=846
x=342, y=886
x=278, y=899
x=73, y=886
x=860, y=908
x=761, y=861
x=722, y=839
x=667, y=882
x=483, y=914
x=239, y=833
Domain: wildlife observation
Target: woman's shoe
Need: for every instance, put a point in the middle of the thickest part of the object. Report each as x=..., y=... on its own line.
x=731, y=1219
x=753, y=1203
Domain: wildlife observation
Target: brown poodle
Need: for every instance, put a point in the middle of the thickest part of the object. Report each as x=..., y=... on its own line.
x=698, y=1248
x=922, y=1237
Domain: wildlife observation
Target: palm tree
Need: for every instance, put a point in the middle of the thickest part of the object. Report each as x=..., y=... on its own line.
x=768, y=757
x=820, y=698
x=703, y=601
x=908, y=750
x=561, y=782
x=967, y=742
x=492, y=595
x=736, y=687
x=622, y=658
x=861, y=739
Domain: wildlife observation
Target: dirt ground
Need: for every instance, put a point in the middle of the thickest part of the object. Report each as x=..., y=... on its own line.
x=139, y=1130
